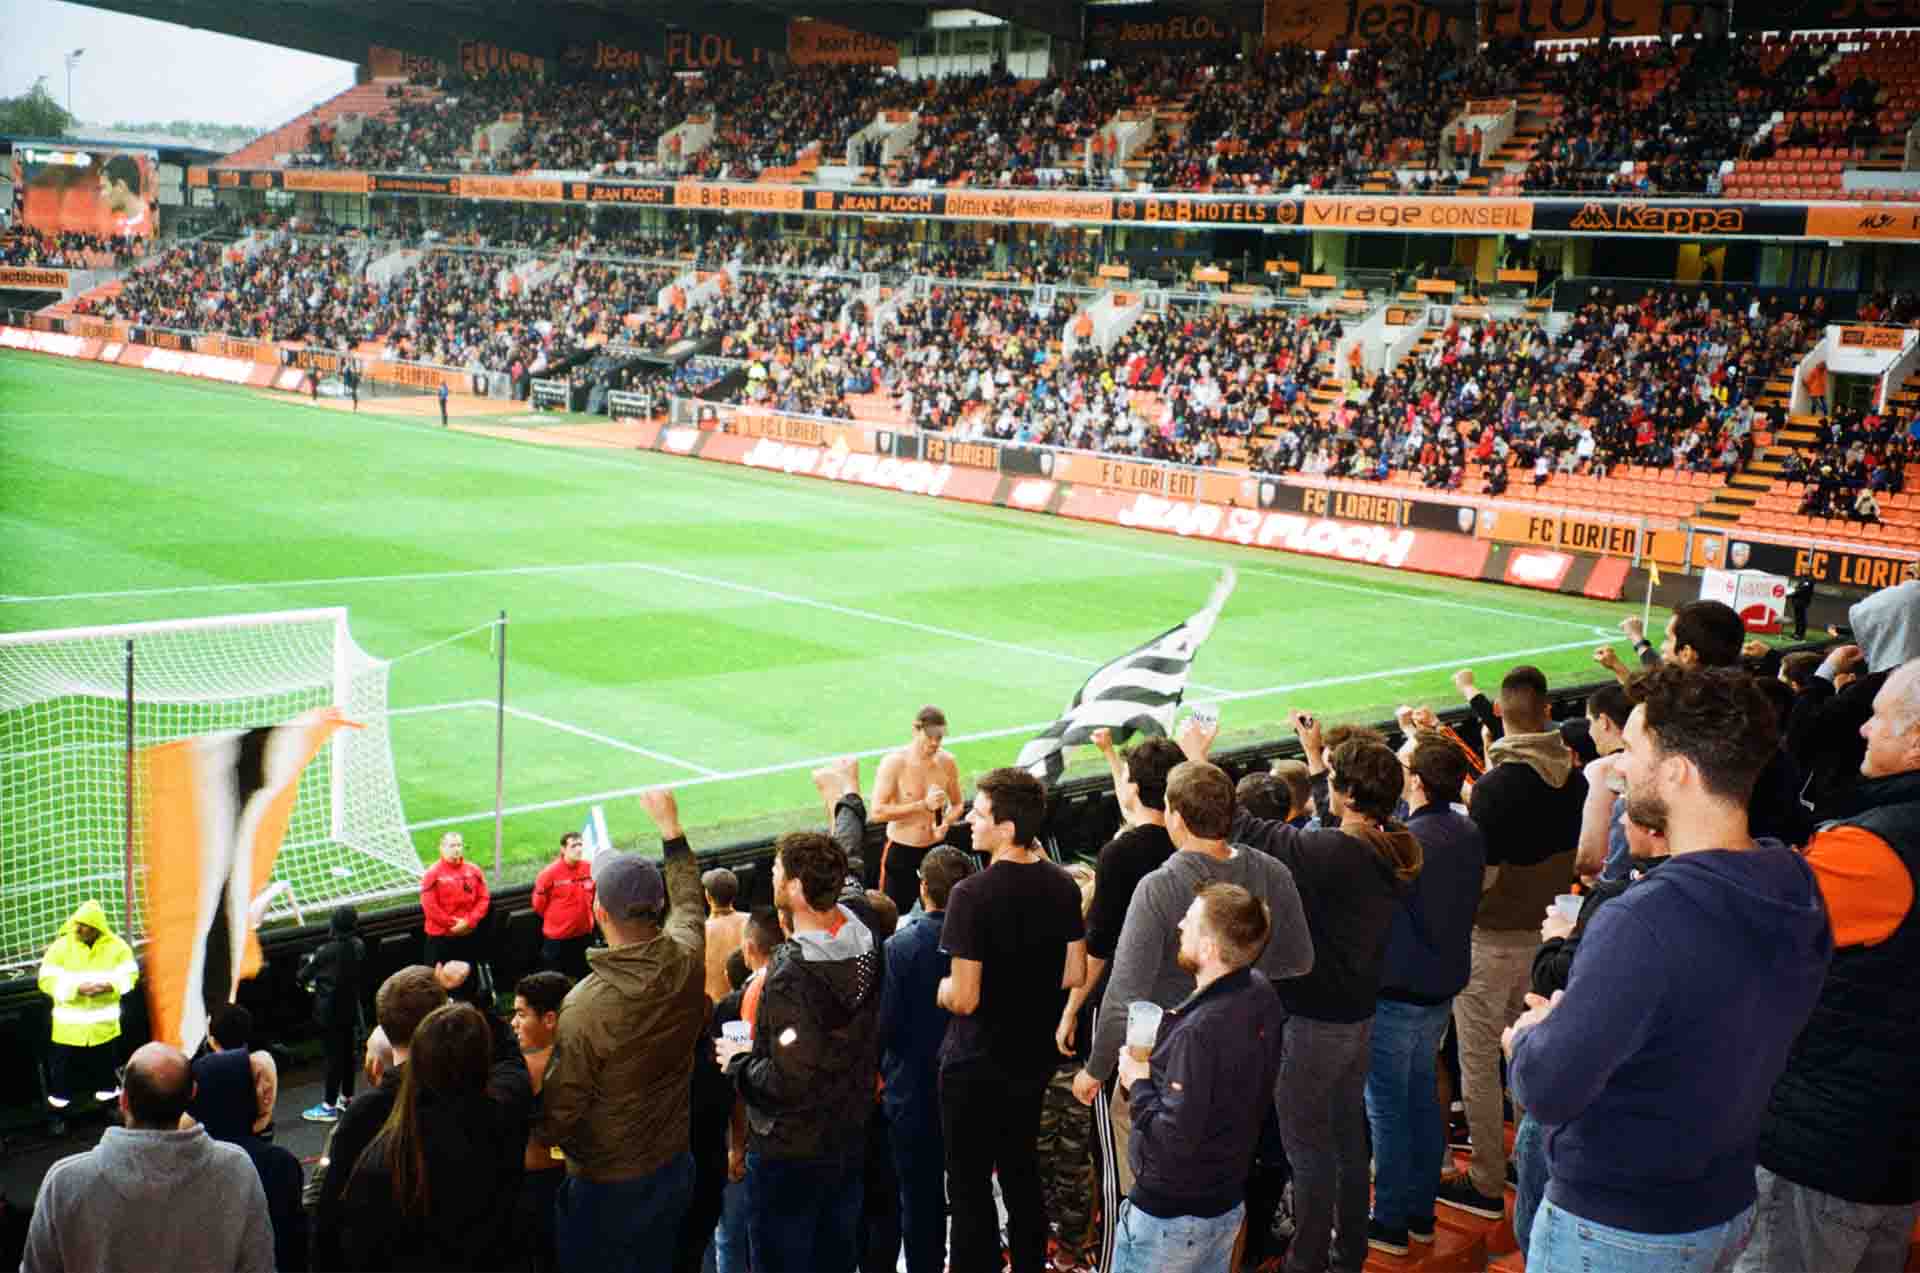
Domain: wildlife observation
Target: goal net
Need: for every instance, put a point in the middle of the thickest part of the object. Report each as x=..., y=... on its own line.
x=64, y=751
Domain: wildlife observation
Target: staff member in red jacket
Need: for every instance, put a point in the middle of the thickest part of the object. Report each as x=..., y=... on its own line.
x=563, y=896
x=453, y=895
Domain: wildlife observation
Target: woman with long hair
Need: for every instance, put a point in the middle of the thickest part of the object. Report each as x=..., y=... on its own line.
x=435, y=1188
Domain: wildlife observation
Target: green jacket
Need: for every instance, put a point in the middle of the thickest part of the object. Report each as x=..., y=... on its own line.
x=617, y=1093
x=84, y=1021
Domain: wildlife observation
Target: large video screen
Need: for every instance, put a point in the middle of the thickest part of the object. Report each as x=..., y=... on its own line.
x=105, y=192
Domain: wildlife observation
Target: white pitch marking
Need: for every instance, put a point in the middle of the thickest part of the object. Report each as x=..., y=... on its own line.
x=591, y=736
x=817, y=761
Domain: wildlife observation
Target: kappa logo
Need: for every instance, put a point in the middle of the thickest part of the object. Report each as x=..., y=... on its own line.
x=1634, y=216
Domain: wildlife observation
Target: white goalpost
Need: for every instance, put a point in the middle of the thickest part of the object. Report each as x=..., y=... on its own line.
x=75, y=703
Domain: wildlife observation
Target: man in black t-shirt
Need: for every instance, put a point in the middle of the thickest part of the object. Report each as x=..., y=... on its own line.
x=1140, y=783
x=1017, y=946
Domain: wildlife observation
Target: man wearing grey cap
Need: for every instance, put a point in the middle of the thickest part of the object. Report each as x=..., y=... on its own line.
x=617, y=1093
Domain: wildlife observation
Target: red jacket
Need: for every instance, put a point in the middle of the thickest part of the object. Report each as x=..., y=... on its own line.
x=448, y=893
x=564, y=897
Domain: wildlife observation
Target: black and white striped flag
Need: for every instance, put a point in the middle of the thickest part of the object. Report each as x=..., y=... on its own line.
x=1136, y=693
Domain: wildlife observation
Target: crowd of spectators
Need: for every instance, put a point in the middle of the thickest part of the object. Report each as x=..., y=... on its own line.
x=1673, y=934
x=1290, y=119
x=24, y=245
x=1856, y=458
x=295, y=288
x=1615, y=136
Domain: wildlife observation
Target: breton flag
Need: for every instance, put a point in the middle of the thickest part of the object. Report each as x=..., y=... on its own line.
x=594, y=834
x=214, y=812
x=1137, y=692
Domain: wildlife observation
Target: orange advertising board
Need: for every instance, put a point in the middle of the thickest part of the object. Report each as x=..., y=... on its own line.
x=1156, y=479
x=1319, y=280
x=814, y=43
x=1577, y=534
x=384, y=63
x=1874, y=337
x=720, y=195
x=1435, y=286
x=1589, y=19
x=1864, y=221
x=1417, y=214
x=1323, y=24
x=527, y=189
x=1517, y=276
x=34, y=279
x=325, y=182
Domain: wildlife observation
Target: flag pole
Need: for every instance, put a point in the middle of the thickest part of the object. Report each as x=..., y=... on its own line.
x=126, y=897
x=500, y=750
x=1646, y=611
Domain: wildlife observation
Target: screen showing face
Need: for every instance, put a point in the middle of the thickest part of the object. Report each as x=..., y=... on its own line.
x=104, y=192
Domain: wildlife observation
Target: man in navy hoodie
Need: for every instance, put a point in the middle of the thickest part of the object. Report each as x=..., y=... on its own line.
x=912, y=1025
x=1651, y=1070
x=1428, y=958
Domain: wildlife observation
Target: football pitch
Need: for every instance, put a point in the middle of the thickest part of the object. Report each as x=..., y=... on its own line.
x=673, y=621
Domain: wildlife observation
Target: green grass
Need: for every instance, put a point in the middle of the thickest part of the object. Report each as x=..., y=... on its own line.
x=710, y=615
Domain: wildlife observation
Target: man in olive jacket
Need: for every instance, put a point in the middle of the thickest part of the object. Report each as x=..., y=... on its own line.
x=616, y=1099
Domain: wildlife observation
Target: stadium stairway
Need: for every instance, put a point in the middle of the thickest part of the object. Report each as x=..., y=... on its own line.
x=362, y=99
x=1535, y=113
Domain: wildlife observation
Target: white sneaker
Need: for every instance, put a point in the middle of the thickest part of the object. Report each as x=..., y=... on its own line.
x=105, y=1096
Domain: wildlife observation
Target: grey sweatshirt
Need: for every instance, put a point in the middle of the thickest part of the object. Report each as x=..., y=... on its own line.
x=1145, y=961
x=151, y=1200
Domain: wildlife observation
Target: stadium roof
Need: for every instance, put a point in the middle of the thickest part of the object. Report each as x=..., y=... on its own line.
x=345, y=28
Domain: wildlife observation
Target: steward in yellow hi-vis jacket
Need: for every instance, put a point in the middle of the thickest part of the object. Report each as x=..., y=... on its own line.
x=85, y=972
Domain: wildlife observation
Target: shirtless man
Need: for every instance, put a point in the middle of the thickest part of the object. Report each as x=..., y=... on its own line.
x=917, y=794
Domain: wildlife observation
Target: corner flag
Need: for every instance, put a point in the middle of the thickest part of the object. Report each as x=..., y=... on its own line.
x=1137, y=692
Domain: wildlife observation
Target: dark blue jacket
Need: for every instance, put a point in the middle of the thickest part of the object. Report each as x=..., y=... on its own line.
x=1429, y=947
x=1217, y=1057
x=911, y=1023
x=1653, y=1073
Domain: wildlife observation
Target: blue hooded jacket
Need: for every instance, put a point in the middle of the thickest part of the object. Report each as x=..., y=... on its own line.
x=1652, y=1074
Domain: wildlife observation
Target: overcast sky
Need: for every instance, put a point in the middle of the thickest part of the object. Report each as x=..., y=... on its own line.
x=141, y=70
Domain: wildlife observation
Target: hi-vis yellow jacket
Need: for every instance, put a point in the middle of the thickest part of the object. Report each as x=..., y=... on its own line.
x=85, y=1021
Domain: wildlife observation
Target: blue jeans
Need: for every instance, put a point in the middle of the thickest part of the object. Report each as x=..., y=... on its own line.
x=920, y=1165
x=1564, y=1243
x=622, y=1224
x=1409, y=1137
x=1530, y=1165
x=1184, y=1244
x=804, y=1213
x=730, y=1247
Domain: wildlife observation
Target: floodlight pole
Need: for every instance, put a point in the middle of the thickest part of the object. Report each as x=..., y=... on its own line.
x=500, y=753
x=71, y=59
x=126, y=897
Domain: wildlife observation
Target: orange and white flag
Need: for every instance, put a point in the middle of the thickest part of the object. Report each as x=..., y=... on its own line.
x=214, y=810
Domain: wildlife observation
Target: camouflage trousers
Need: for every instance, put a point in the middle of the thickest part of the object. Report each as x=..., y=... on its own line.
x=1066, y=1163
